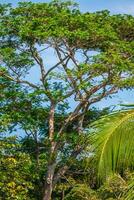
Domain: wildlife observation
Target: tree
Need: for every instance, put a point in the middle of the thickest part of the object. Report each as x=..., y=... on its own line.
x=93, y=55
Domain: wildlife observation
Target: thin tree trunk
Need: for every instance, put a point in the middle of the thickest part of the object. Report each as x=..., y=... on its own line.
x=37, y=155
x=37, y=150
x=52, y=158
x=63, y=195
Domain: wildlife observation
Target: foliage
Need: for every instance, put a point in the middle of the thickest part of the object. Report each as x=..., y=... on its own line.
x=113, y=188
x=81, y=192
x=129, y=195
x=15, y=173
x=113, y=142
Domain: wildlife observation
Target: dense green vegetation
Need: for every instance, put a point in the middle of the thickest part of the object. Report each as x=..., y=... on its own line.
x=56, y=62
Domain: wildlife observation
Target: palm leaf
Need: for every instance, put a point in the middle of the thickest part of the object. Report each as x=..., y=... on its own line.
x=130, y=193
x=113, y=142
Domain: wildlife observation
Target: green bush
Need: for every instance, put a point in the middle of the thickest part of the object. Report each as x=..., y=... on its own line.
x=81, y=192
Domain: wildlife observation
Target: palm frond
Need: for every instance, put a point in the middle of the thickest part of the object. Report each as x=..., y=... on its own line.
x=113, y=142
x=129, y=195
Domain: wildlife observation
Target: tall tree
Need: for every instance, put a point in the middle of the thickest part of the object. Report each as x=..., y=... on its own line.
x=93, y=59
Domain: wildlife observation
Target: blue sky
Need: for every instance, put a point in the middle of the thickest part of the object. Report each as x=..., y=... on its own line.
x=115, y=6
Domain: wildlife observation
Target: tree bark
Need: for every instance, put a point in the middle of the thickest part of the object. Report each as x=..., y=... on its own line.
x=48, y=187
x=49, y=182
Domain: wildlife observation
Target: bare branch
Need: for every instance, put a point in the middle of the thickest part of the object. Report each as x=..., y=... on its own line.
x=45, y=48
x=39, y=61
x=105, y=93
x=68, y=94
x=27, y=83
x=21, y=81
x=73, y=82
x=55, y=66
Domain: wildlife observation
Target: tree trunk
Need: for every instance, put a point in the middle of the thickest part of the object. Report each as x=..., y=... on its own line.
x=37, y=156
x=37, y=150
x=52, y=157
x=63, y=195
x=49, y=182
